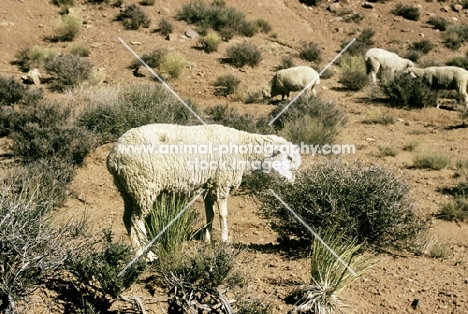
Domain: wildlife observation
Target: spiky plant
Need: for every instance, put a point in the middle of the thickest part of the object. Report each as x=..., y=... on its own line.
x=328, y=275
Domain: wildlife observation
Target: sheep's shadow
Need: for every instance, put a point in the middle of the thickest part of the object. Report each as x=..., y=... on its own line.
x=290, y=248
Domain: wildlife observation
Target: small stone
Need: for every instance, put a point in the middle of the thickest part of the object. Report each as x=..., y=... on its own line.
x=95, y=44
x=335, y=7
x=421, y=34
x=370, y=139
x=348, y=2
x=415, y=304
x=445, y=9
x=164, y=11
x=336, y=19
x=136, y=43
x=34, y=76
x=324, y=88
x=191, y=34
x=4, y=24
x=400, y=120
x=457, y=7
x=397, y=18
x=340, y=30
x=41, y=25
x=171, y=37
x=454, y=18
x=367, y=5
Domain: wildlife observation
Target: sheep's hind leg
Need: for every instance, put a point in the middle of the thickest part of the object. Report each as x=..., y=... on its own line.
x=139, y=238
x=209, y=212
x=223, y=211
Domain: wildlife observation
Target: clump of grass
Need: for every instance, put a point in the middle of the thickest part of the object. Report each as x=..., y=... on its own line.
x=171, y=65
x=320, y=121
x=354, y=75
x=68, y=71
x=310, y=51
x=455, y=36
x=409, y=12
x=412, y=145
x=353, y=17
x=165, y=27
x=440, y=250
x=226, y=84
x=135, y=106
x=431, y=159
x=244, y=53
x=328, y=276
x=425, y=46
x=387, y=150
x=253, y=307
x=455, y=209
x=210, y=41
x=13, y=92
x=152, y=59
x=34, y=57
x=367, y=202
x=148, y=2
x=164, y=210
x=438, y=23
x=263, y=25
x=376, y=116
x=133, y=17
x=405, y=91
x=80, y=49
x=311, y=2
x=413, y=55
x=461, y=62
x=64, y=5
x=67, y=27
x=362, y=44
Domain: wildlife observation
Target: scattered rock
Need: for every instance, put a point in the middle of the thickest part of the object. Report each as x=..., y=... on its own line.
x=324, y=87
x=191, y=34
x=164, y=11
x=421, y=34
x=4, y=24
x=457, y=7
x=454, y=18
x=41, y=25
x=335, y=7
x=34, y=75
x=336, y=19
x=171, y=37
x=367, y=5
x=95, y=44
x=397, y=18
x=445, y=9
x=340, y=30
x=136, y=43
x=348, y=2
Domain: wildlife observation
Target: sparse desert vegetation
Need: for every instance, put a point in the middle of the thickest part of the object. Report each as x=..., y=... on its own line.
x=383, y=172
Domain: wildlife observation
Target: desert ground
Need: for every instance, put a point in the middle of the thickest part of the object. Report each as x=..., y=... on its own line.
x=392, y=285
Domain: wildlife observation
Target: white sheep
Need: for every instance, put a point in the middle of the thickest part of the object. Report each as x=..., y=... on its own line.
x=292, y=80
x=378, y=59
x=163, y=157
x=445, y=77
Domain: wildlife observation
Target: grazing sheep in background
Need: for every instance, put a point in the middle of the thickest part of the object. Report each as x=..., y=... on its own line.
x=378, y=59
x=142, y=170
x=292, y=80
x=445, y=77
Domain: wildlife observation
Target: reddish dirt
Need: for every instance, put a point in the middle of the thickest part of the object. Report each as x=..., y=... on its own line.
x=440, y=285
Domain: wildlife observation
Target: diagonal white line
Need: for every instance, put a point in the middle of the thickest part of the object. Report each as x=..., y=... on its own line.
x=160, y=233
x=312, y=82
x=314, y=234
x=161, y=80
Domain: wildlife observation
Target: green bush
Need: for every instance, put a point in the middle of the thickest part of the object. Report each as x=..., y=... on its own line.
x=80, y=49
x=165, y=27
x=34, y=57
x=366, y=202
x=228, y=116
x=136, y=106
x=226, y=84
x=171, y=65
x=405, y=91
x=286, y=63
x=376, y=116
x=413, y=55
x=210, y=41
x=455, y=36
x=310, y=51
x=438, y=22
x=320, y=121
x=354, y=80
x=13, y=92
x=152, y=59
x=328, y=276
x=425, y=46
x=148, y=2
x=253, y=307
x=361, y=45
x=164, y=210
x=455, y=209
x=310, y=2
x=68, y=71
x=387, y=150
x=353, y=17
x=133, y=17
x=433, y=160
x=67, y=27
x=95, y=284
x=461, y=62
x=228, y=21
x=409, y=12
x=244, y=53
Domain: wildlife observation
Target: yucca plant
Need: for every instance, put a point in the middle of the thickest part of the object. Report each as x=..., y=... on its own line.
x=164, y=210
x=328, y=275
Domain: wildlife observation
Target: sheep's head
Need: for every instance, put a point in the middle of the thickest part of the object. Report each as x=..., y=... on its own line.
x=410, y=72
x=266, y=93
x=285, y=158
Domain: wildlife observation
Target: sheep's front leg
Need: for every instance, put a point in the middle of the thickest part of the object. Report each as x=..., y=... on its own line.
x=139, y=238
x=209, y=212
x=223, y=211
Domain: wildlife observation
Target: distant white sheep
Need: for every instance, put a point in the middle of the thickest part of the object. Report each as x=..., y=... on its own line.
x=378, y=59
x=445, y=77
x=292, y=80
x=162, y=157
